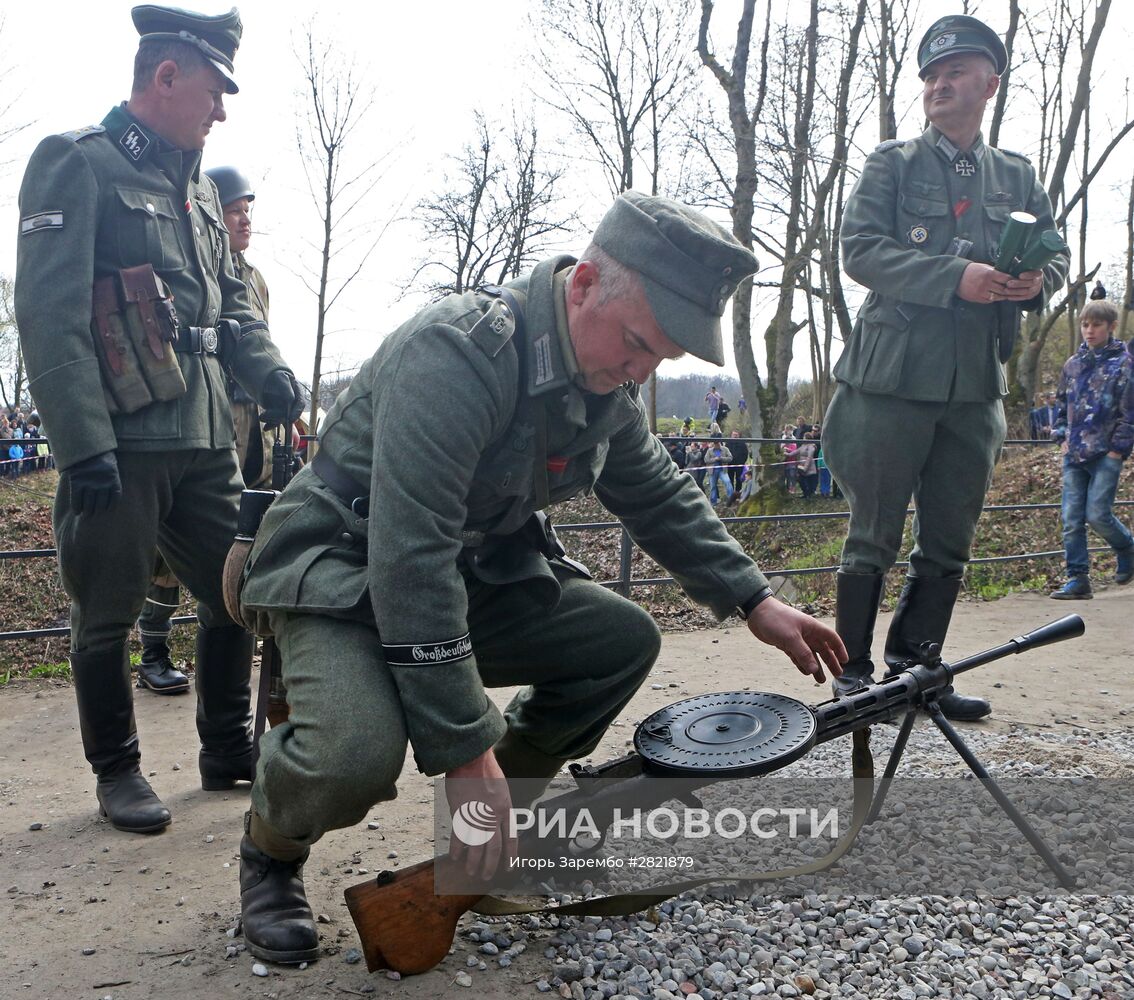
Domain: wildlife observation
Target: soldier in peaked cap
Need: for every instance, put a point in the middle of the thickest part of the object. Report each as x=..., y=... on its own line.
x=918, y=411
x=130, y=381
x=399, y=585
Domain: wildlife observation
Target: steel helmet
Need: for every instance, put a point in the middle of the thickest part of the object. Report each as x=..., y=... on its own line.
x=231, y=184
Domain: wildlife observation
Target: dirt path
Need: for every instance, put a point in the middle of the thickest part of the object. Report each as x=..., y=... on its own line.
x=153, y=911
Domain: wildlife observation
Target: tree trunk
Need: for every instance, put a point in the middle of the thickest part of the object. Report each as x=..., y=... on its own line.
x=1128, y=296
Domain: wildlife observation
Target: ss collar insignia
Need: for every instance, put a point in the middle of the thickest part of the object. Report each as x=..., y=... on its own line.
x=135, y=142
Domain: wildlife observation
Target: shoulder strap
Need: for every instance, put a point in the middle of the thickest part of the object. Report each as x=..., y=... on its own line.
x=539, y=411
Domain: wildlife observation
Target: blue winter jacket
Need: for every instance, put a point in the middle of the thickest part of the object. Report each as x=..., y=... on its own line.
x=1096, y=402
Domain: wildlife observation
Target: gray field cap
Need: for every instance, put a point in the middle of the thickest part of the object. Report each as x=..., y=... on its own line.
x=216, y=36
x=957, y=33
x=690, y=266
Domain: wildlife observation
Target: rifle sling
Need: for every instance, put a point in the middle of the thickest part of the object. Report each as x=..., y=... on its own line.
x=862, y=772
x=263, y=695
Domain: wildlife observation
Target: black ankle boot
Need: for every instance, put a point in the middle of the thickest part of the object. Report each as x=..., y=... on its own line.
x=156, y=672
x=856, y=609
x=161, y=676
x=924, y=611
x=278, y=923
x=110, y=740
x=224, y=716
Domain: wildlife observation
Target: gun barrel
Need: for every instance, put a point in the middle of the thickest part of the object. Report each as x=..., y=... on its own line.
x=1068, y=627
x=889, y=699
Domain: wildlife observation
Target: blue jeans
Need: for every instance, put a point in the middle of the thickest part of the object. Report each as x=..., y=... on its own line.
x=1088, y=496
x=719, y=474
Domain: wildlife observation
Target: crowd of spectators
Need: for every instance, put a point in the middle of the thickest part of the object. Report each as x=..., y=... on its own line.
x=22, y=446
x=723, y=468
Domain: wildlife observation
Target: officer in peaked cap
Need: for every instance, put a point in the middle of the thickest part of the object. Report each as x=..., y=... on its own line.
x=144, y=438
x=391, y=633
x=216, y=37
x=959, y=33
x=918, y=411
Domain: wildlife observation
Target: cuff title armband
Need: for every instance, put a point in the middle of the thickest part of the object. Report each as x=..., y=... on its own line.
x=428, y=654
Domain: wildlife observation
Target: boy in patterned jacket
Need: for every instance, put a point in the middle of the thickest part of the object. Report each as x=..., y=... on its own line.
x=1095, y=422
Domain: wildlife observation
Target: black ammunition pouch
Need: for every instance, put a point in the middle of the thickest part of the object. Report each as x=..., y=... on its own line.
x=135, y=331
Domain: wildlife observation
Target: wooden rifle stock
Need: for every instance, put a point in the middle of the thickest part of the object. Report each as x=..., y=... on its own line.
x=402, y=923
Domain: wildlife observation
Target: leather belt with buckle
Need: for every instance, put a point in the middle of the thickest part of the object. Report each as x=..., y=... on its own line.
x=197, y=340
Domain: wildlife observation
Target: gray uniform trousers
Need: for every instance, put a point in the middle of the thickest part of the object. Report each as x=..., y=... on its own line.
x=882, y=450
x=183, y=503
x=343, y=747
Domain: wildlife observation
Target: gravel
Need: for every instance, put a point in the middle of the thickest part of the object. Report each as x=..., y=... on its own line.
x=720, y=943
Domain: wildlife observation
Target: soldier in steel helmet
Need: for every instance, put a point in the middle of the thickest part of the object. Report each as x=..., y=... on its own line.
x=156, y=669
x=130, y=316
x=918, y=411
x=399, y=584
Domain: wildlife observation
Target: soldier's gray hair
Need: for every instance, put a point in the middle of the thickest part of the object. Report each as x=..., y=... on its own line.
x=616, y=280
x=151, y=55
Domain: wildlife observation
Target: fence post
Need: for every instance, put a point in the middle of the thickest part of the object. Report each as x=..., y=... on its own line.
x=625, y=550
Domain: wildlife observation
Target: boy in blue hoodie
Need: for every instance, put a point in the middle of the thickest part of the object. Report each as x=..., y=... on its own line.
x=1095, y=422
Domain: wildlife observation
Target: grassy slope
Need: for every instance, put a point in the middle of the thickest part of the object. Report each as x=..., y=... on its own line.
x=30, y=595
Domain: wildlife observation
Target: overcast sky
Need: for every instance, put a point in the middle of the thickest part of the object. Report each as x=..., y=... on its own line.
x=431, y=63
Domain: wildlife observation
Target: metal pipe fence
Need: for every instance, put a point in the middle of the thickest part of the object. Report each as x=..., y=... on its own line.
x=625, y=582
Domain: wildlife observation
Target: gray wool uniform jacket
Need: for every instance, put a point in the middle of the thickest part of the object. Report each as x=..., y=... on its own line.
x=108, y=197
x=914, y=338
x=464, y=384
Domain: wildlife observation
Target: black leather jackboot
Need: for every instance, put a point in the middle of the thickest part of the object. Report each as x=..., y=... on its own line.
x=224, y=713
x=278, y=923
x=856, y=609
x=922, y=615
x=110, y=740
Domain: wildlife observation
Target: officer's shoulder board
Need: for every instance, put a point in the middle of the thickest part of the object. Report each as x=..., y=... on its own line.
x=889, y=144
x=1012, y=152
x=494, y=328
x=83, y=133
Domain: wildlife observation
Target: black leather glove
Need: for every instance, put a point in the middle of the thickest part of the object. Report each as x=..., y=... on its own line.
x=94, y=483
x=281, y=399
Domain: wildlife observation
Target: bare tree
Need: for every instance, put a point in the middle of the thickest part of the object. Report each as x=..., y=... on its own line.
x=888, y=35
x=12, y=98
x=619, y=71
x=493, y=215
x=739, y=186
x=12, y=373
x=787, y=172
x=336, y=102
x=1057, y=71
x=1128, y=296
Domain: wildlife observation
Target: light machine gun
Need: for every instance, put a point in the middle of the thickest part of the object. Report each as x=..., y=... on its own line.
x=403, y=925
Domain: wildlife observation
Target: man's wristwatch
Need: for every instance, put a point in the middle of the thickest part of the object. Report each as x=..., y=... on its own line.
x=745, y=609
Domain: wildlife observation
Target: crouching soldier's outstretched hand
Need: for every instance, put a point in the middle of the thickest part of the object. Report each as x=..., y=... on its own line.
x=808, y=643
